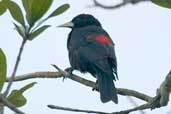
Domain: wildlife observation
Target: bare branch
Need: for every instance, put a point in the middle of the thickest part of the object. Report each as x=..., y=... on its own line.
x=132, y=101
x=141, y=107
x=164, y=90
x=123, y=3
x=75, y=110
x=37, y=75
x=121, y=91
x=161, y=99
x=128, y=92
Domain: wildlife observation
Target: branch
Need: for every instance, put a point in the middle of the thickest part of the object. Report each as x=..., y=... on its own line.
x=141, y=107
x=161, y=99
x=145, y=106
x=123, y=3
x=131, y=100
x=164, y=90
x=15, y=68
x=5, y=102
x=121, y=91
x=75, y=110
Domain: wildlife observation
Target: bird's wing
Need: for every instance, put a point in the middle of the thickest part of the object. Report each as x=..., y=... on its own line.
x=99, y=50
x=100, y=38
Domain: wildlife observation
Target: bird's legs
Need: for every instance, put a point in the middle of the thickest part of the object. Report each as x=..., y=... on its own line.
x=69, y=70
x=96, y=86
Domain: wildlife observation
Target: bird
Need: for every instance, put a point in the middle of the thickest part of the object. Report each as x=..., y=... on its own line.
x=91, y=49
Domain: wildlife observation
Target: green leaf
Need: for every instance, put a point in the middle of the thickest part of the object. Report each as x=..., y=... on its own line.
x=59, y=10
x=37, y=32
x=20, y=30
x=26, y=87
x=15, y=11
x=27, y=6
x=17, y=100
x=3, y=68
x=16, y=96
x=2, y=8
x=162, y=3
x=36, y=9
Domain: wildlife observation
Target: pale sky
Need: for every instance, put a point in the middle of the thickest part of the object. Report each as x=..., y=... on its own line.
x=142, y=41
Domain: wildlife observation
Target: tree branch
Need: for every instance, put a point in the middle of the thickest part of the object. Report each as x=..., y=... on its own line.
x=75, y=110
x=123, y=3
x=164, y=90
x=131, y=100
x=161, y=99
x=141, y=107
x=121, y=91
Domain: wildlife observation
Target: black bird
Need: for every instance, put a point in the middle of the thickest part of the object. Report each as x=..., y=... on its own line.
x=92, y=50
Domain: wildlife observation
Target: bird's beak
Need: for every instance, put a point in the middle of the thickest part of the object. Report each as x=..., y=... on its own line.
x=68, y=24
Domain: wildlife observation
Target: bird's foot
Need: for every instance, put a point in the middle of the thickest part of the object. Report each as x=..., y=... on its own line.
x=96, y=88
x=69, y=70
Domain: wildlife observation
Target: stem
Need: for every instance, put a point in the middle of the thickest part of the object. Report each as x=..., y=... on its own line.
x=1, y=108
x=5, y=102
x=15, y=68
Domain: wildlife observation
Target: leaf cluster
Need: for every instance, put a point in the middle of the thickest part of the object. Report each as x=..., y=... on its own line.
x=28, y=27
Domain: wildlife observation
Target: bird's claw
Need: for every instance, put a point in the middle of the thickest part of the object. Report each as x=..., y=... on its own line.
x=96, y=88
x=69, y=70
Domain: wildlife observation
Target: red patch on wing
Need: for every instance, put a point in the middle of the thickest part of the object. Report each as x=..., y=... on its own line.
x=103, y=39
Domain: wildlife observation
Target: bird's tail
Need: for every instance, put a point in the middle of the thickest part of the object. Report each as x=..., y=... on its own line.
x=106, y=88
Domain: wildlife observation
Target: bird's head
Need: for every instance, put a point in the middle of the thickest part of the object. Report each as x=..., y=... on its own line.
x=82, y=20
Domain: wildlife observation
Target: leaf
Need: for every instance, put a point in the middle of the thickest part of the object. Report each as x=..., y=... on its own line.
x=36, y=9
x=162, y=3
x=2, y=8
x=15, y=11
x=20, y=30
x=27, y=6
x=16, y=97
x=26, y=87
x=37, y=32
x=59, y=10
x=17, y=100
x=3, y=68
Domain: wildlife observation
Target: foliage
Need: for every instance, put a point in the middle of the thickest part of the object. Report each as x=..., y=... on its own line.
x=2, y=7
x=35, y=10
x=28, y=27
x=3, y=68
x=16, y=97
x=163, y=3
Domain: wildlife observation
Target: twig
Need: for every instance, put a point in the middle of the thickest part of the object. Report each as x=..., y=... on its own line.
x=37, y=75
x=15, y=68
x=134, y=104
x=5, y=102
x=123, y=3
x=141, y=107
x=75, y=110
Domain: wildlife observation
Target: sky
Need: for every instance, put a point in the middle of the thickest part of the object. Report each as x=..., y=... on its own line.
x=142, y=42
